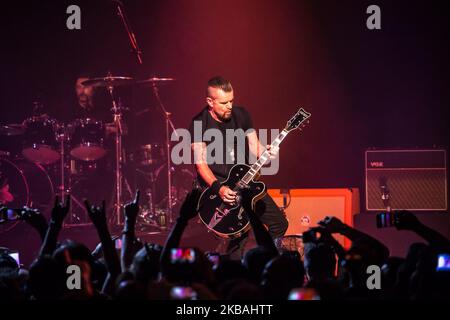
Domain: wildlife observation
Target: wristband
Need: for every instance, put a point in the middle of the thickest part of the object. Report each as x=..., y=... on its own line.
x=216, y=186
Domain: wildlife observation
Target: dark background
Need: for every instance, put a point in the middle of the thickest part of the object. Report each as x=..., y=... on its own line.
x=384, y=88
x=381, y=88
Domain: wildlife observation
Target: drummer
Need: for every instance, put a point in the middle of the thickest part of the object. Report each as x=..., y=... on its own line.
x=91, y=178
x=89, y=105
x=87, y=101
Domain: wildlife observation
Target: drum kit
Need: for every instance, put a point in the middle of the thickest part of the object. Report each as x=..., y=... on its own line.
x=55, y=158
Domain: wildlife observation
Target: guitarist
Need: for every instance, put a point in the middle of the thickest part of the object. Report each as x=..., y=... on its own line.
x=220, y=114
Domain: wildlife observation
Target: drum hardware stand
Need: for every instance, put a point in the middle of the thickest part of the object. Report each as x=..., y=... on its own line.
x=62, y=186
x=74, y=218
x=65, y=189
x=117, y=116
x=151, y=177
x=169, y=125
x=150, y=192
x=151, y=207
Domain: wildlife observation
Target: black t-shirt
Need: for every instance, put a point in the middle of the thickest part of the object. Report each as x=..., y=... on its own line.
x=232, y=151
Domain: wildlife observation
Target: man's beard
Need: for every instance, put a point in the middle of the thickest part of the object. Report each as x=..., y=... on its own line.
x=85, y=101
x=225, y=117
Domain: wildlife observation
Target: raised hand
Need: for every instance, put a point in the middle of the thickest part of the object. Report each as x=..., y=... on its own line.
x=189, y=207
x=97, y=214
x=60, y=210
x=332, y=224
x=327, y=238
x=59, y=213
x=132, y=208
x=405, y=220
x=273, y=151
x=325, y=235
x=35, y=219
x=309, y=235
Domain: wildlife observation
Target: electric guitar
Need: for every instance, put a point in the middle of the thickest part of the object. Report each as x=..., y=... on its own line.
x=229, y=220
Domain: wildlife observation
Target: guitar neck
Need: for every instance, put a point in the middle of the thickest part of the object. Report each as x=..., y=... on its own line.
x=263, y=158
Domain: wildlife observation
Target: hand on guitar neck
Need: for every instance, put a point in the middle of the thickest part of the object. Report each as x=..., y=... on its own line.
x=273, y=151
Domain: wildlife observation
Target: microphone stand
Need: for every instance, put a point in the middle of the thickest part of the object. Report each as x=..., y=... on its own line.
x=134, y=45
x=169, y=125
x=117, y=111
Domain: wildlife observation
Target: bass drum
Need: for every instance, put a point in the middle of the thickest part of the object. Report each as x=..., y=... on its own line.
x=23, y=183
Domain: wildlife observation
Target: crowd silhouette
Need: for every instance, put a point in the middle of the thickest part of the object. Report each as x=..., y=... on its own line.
x=146, y=271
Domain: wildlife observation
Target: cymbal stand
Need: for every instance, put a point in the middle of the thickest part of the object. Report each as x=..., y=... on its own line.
x=117, y=114
x=169, y=125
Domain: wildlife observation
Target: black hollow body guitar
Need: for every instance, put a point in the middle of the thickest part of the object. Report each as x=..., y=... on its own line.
x=229, y=220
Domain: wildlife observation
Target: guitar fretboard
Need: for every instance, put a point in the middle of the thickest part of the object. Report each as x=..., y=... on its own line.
x=264, y=158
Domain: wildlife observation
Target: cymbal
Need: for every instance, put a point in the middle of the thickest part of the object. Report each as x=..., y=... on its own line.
x=12, y=129
x=151, y=81
x=108, y=82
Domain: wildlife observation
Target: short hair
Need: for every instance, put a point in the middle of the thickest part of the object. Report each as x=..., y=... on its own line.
x=219, y=82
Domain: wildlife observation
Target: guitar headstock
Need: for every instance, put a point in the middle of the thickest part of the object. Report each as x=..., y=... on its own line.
x=299, y=119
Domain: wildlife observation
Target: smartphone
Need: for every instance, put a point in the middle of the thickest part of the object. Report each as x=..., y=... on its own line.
x=8, y=214
x=214, y=257
x=443, y=263
x=303, y=294
x=15, y=256
x=183, y=293
x=385, y=219
x=118, y=243
x=182, y=255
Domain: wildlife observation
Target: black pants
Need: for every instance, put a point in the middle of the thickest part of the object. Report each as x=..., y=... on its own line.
x=271, y=216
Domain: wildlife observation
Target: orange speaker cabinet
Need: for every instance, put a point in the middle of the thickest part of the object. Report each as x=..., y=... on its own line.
x=308, y=206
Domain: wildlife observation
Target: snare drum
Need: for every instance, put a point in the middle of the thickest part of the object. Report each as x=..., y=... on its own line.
x=87, y=140
x=40, y=142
